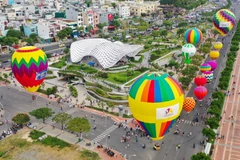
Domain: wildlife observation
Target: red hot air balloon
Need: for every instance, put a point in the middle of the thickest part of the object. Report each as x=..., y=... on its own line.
x=200, y=80
x=200, y=92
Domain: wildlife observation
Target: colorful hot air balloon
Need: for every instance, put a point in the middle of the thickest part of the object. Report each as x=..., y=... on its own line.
x=188, y=50
x=208, y=75
x=214, y=55
x=29, y=66
x=223, y=21
x=213, y=64
x=200, y=80
x=205, y=67
x=189, y=104
x=193, y=36
x=218, y=45
x=200, y=92
x=156, y=101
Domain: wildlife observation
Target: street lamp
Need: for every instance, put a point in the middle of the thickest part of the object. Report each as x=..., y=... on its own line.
x=133, y=155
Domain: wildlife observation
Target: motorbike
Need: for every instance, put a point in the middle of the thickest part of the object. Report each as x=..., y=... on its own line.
x=88, y=144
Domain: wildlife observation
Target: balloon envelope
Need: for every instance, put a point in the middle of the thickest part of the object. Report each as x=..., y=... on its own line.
x=205, y=67
x=214, y=55
x=200, y=80
x=29, y=66
x=218, y=45
x=193, y=36
x=188, y=50
x=189, y=104
x=156, y=101
x=200, y=92
x=213, y=64
x=223, y=21
x=208, y=75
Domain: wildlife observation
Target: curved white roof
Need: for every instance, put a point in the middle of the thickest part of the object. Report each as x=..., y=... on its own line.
x=106, y=52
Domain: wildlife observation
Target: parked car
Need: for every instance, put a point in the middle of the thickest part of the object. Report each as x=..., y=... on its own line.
x=62, y=45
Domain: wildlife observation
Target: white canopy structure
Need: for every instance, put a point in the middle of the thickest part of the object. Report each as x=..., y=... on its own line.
x=106, y=52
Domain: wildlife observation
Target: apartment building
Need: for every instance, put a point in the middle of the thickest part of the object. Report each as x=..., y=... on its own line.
x=75, y=14
x=123, y=10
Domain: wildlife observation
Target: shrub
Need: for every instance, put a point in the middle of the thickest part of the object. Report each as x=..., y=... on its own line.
x=73, y=91
x=36, y=134
x=89, y=155
x=213, y=122
x=53, y=141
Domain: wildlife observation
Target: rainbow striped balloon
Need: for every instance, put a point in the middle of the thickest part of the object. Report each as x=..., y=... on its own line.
x=205, y=67
x=223, y=21
x=156, y=101
x=193, y=36
x=29, y=66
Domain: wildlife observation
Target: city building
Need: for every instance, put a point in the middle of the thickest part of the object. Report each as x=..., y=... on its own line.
x=29, y=29
x=123, y=10
x=106, y=52
x=75, y=14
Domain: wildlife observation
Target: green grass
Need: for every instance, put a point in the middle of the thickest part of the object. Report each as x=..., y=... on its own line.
x=50, y=77
x=89, y=155
x=83, y=67
x=53, y=141
x=36, y=134
x=99, y=86
x=59, y=64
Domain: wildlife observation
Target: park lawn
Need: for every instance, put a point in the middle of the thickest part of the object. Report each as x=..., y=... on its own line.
x=59, y=64
x=85, y=68
x=36, y=151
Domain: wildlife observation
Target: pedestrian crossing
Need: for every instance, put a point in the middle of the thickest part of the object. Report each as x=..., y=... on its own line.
x=104, y=134
x=190, y=122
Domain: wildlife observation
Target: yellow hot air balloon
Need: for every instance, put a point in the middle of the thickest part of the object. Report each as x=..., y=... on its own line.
x=218, y=45
x=214, y=55
x=156, y=101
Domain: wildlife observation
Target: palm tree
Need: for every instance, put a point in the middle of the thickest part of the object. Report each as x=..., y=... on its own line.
x=90, y=100
x=101, y=105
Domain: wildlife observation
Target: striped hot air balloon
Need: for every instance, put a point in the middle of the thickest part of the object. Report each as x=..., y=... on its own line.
x=193, y=36
x=29, y=66
x=156, y=101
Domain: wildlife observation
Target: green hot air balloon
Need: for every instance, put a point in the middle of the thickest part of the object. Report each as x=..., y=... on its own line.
x=188, y=50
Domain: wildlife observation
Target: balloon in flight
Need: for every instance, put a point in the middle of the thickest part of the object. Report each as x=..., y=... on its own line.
x=218, y=45
x=200, y=80
x=189, y=104
x=193, y=36
x=29, y=66
x=188, y=50
x=223, y=21
x=214, y=54
x=200, y=92
x=213, y=64
x=205, y=67
x=156, y=101
x=208, y=75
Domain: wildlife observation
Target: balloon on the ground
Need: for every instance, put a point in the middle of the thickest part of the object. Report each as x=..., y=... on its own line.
x=200, y=92
x=205, y=67
x=188, y=50
x=189, y=104
x=218, y=45
x=29, y=66
x=200, y=80
x=213, y=64
x=156, y=101
x=209, y=76
x=223, y=21
x=193, y=36
x=214, y=55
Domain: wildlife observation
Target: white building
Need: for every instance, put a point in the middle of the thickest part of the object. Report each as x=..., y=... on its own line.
x=74, y=14
x=123, y=10
x=43, y=30
x=3, y=21
x=58, y=5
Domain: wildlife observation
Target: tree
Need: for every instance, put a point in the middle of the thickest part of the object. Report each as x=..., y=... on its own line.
x=180, y=32
x=80, y=29
x=9, y=41
x=156, y=34
x=62, y=34
x=62, y=118
x=116, y=23
x=78, y=124
x=101, y=104
x=101, y=25
x=142, y=28
x=68, y=30
x=110, y=105
x=164, y=33
x=114, y=5
x=167, y=23
x=90, y=100
x=208, y=132
x=34, y=37
x=213, y=122
x=21, y=118
x=66, y=50
x=42, y=113
x=14, y=33
x=5, y=75
x=200, y=156
x=182, y=24
x=28, y=40
x=130, y=72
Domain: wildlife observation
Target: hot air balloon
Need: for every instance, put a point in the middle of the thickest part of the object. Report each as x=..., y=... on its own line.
x=218, y=45
x=29, y=66
x=189, y=104
x=208, y=75
x=205, y=67
x=200, y=80
x=213, y=64
x=214, y=55
x=223, y=21
x=188, y=50
x=193, y=36
x=200, y=92
x=156, y=101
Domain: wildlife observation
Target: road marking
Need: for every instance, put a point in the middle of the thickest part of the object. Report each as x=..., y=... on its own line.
x=105, y=133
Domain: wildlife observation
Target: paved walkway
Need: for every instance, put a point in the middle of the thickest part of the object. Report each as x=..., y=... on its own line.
x=228, y=148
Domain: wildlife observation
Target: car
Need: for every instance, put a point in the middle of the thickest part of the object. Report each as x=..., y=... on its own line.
x=1, y=123
x=62, y=45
